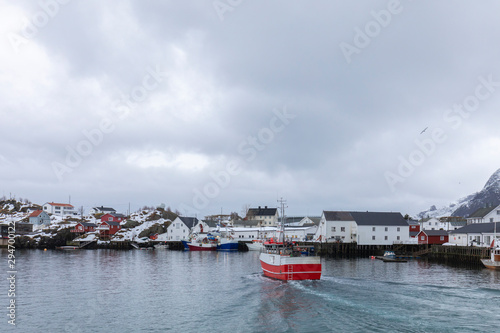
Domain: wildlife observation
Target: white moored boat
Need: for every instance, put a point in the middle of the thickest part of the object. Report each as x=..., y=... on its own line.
x=256, y=245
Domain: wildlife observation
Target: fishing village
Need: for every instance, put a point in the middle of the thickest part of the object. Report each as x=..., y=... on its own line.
x=336, y=234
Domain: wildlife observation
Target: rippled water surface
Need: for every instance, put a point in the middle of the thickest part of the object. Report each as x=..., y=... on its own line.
x=160, y=291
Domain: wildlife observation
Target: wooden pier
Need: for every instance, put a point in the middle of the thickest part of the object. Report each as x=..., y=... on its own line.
x=456, y=255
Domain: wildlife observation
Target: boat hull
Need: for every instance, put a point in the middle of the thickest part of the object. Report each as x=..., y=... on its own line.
x=185, y=244
x=228, y=246
x=488, y=263
x=202, y=247
x=290, y=268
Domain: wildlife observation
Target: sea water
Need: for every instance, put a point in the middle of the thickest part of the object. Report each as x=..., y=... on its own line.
x=174, y=291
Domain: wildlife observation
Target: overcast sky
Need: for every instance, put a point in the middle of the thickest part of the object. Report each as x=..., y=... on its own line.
x=216, y=105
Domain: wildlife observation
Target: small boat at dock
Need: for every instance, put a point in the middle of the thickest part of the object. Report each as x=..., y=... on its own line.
x=494, y=261
x=66, y=248
x=204, y=242
x=256, y=245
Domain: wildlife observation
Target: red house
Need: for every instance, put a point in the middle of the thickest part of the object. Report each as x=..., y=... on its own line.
x=108, y=228
x=112, y=218
x=432, y=237
x=83, y=227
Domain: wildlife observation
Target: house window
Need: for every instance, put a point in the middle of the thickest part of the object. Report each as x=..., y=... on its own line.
x=491, y=219
x=373, y=229
x=385, y=238
x=422, y=237
x=398, y=238
x=177, y=226
x=399, y=229
x=333, y=229
x=110, y=219
x=441, y=238
x=498, y=212
x=373, y=237
x=342, y=229
x=386, y=229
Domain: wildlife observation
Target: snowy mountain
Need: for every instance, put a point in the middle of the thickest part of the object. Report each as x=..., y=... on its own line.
x=489, y=195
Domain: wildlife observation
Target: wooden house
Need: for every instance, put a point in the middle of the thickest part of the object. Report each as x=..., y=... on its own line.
x=432, y=237
x=84, y=227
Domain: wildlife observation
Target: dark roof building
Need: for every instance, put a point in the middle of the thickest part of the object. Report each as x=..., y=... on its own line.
x=190, y=222
x=478, y=228
x=262, y=211
x=385, y=219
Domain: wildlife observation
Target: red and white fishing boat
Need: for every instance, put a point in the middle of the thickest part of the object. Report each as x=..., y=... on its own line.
x=203, y=242
x=494, y=261
x=286, y=261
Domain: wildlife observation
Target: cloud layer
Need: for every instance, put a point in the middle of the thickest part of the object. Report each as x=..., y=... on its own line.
x=221, y=104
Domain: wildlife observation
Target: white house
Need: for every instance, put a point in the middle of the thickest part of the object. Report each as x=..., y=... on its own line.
x=476, y=234
x=300, y=233
x=102, y=210
x=180, y=228
x=336, y=226
x=267, y=216
x=485, y=215
x=60, y=209
x=363, y=228
x=249, y=234
x=447, y=223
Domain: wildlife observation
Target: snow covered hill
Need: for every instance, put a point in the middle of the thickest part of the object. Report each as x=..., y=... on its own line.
x=489, y=195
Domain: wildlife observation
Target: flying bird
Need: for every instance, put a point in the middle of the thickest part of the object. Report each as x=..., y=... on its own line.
x=425, y=129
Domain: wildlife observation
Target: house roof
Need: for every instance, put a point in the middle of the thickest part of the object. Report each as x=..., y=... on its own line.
x=262, y=211
x=315, y=219
x=481, y=212
x=292, y=219
x=338, y=216
x=36, y=213
x=435, y=232
x=379, y=218
x=104, y=209
x=478, y=228
x=412, y=222
x=414, y=233
x=59, y=204
x=190, y=222
x=110, y=223
x=211, y=223
x=87, y=224
x=452, y=219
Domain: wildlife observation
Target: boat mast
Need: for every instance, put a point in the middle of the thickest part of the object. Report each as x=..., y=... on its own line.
x=283, y=203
